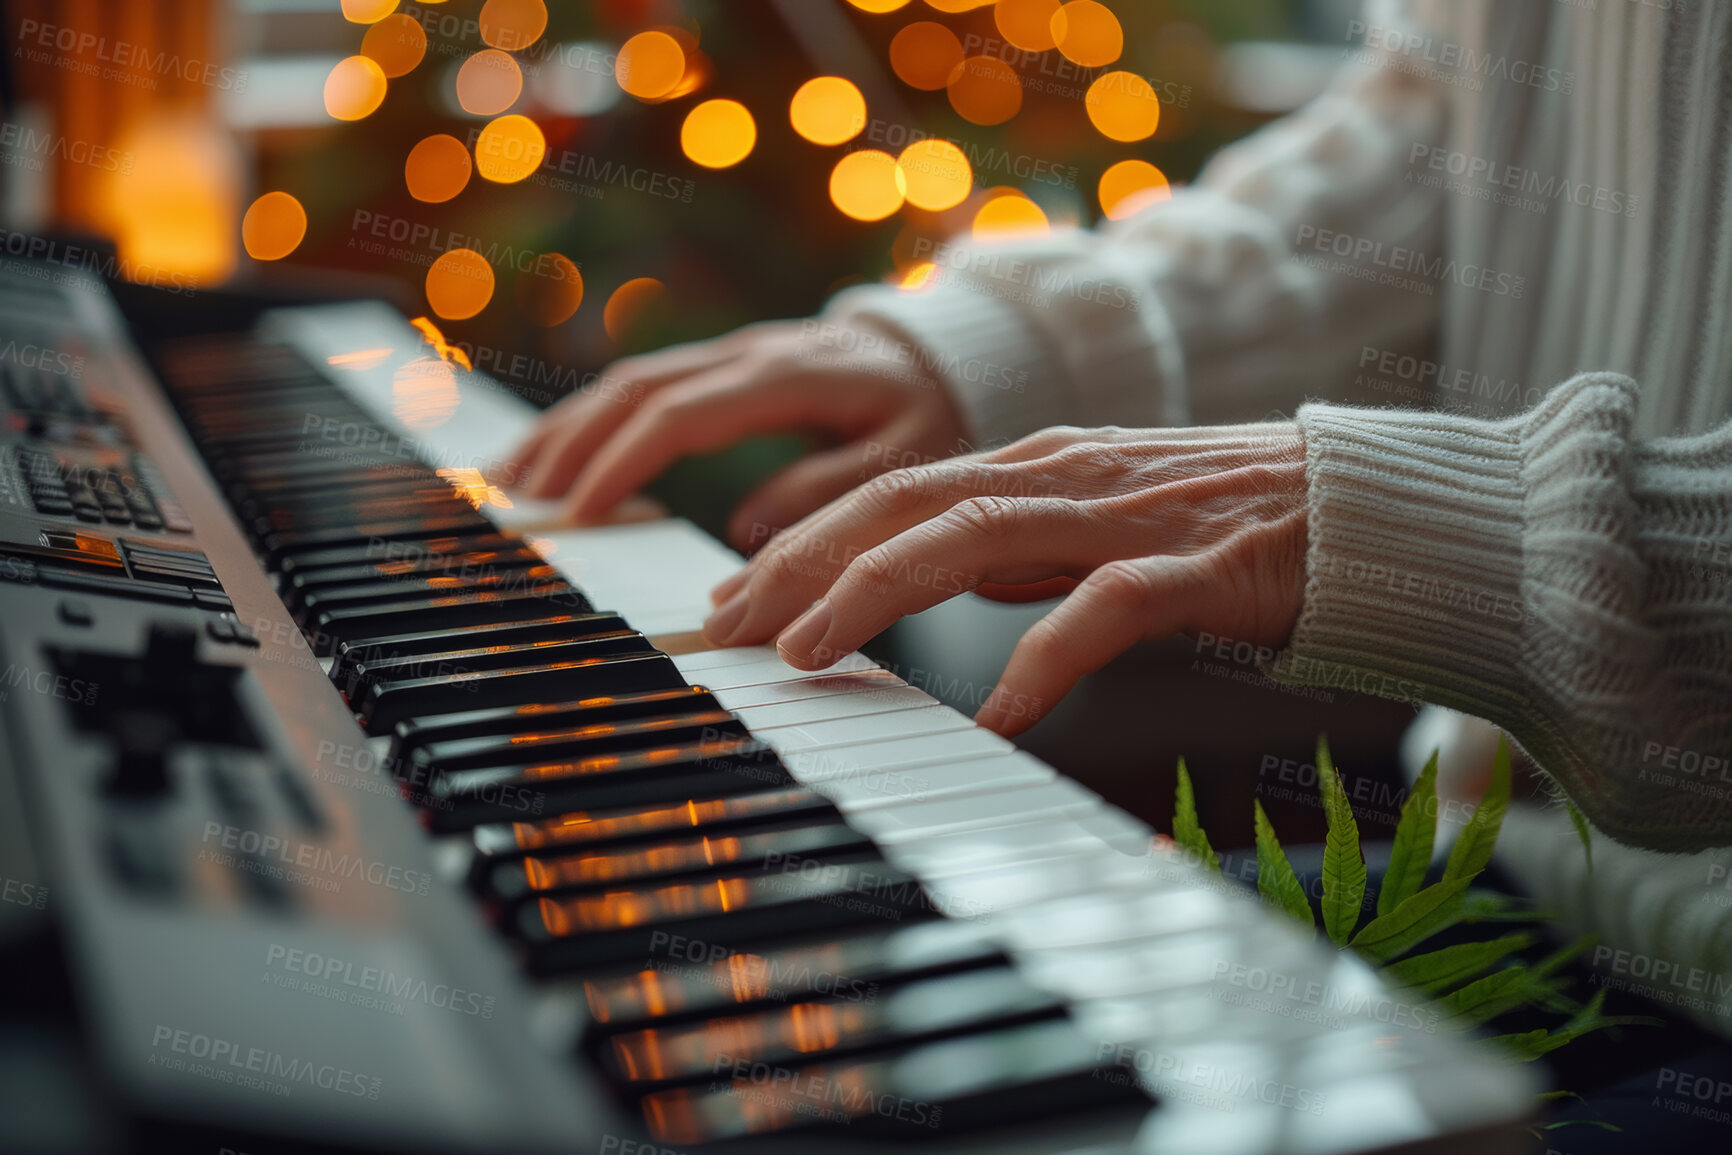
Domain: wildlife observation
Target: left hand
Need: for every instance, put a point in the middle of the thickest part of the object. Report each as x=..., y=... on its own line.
x=1152, y=532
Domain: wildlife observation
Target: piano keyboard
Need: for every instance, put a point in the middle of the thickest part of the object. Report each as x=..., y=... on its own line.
x=745, y=902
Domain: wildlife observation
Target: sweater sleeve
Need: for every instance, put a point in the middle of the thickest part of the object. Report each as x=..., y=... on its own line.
x=1220, y=304
x=1548, y=572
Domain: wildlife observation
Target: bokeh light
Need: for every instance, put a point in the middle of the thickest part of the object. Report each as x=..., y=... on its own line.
x=985, y=90
x=868, y=185
x=396, y=44
x=828, y=110
x=438, y=169
x=1130, y=186
x=1009, y=215
x=718, y=133
x=936, y=175
x=424, y=393
x=650, y=65
x=509, y=149
x=459, y=284
x=367, y=11
x=921, y=276
x=355, y=87
x=1123, y=106
x=550, y=290
x=924, y=55
x=1088, y=33
x=489, y=83
x=954, y=6
x=1026, y=23
x=631, y=305
x=273, y=226
x=513, y=24
x=878, y=7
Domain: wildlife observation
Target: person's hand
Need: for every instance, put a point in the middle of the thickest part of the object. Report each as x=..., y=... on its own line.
x=1154, y=532
x=862, y=386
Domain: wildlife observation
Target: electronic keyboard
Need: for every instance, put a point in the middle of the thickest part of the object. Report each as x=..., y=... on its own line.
x=371, y=812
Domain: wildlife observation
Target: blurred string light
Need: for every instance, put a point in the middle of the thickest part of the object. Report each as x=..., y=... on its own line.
x=878, y=7
x=925, y=54
x=396, y=44
x=273, y=226
x=355, y=87
x=1123, y=106
x=1007, y=215
x=367, y=11
x=919, y=277
x=550, y=290
x=586, y=88
x=438, y=169
x=489, y=82
x=512, y=25
x=954, y=6
x=868, y=185
x=985, y=90
x=1027, y=24
x=936, y=175
x=630, y=305
x=650, y=65
x=718, y=134
x=1130, y=186
x=509, y=149
x=828, y=110
x=1087, y=33
x=424, y=393
x=459, y=284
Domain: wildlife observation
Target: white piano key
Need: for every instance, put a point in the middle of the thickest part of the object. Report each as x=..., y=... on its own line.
x=896, y=753
x=866, y=792
x=832, y=707
x=657, y=574
x=864, y=683
x=759, y=665
x=924, y=819
x=975, y=849
x=1000, y=888
x=870, y=728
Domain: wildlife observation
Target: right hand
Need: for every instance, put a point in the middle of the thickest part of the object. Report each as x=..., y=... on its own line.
x=863, y=385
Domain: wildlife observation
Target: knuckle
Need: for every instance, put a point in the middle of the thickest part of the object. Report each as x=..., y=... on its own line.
x=872, y=574
x=899, y=491
x=1121, y=583
x=987, y=517
x=1042, y=642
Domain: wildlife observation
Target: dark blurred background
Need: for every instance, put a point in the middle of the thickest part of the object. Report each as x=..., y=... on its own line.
x=312, y=148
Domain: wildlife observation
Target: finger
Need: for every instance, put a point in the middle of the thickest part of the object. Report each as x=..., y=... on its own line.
x=794, y=492
x=981, y=539
x=1028, y=592
x=1116, y=606
x=571, y=438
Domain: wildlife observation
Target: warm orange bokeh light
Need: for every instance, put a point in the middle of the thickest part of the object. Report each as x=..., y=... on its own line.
x=1130, y=186
x=985, y=90
x=509, y=149
x=550, y=290
x=1088, y=33
x=459, y=284
x=868, y=185
x=630, y=304
x=513, y=24
x=176, y=211
x=878, y=6
x=918, y=278
x=355, y=87
x=828, y=110
x=650, y=65
x=1026, y=23
x=489, y=83
x=438, y=169
x=924, y=54
x=396, y=44
x=1123, y=106
x=958, y=5
x=367, y=11
x=719, y=134
x=937, y=176
x=1011, y=215
x=273, y=226
x=424, y=393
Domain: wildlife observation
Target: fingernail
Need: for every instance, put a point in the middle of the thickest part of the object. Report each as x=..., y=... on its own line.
x=800, y=639
x=728, y=588
x=725, y=622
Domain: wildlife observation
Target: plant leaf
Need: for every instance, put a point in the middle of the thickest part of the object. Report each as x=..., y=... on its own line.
x=1440, y=969
x=1529, y=1045
x=1431, y=910
x=1580, y=821
x=1473, y=849
x=1187, y=831
x=1276, y=881
x=1415, y=835
x=1343, y=866
x=1491, y=906
x=1487, y=998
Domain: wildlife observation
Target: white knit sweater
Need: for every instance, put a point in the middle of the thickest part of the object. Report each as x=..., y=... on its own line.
x=1532, y=200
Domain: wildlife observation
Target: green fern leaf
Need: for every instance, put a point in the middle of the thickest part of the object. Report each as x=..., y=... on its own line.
x=1580, y=821
x=1414, y=836
x=1343, y=866
x=1276, y=881
x=1487, y=998
x=1436, y=907
x=1473, y=849
x=1439, y=970
x=1187, y=831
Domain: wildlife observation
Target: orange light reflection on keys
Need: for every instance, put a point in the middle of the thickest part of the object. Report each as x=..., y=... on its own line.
x=583, y=826
x=618, y=909
x=589, y=869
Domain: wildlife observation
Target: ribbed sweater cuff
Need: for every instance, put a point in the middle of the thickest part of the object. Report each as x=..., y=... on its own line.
x=1414, y=574
x=1007, y=382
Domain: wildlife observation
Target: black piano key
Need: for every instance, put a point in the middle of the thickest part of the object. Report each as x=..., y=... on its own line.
x=476, y=564
x=659, y=776
x=384, y=704
x=993, y=1079
x=813, y=1030
x=575, y=741
x=388, y=668
x=542, y=576
x=731, y=911
x=396, y=550
x=554, y=627
x=276, y=545
x=449, y=611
